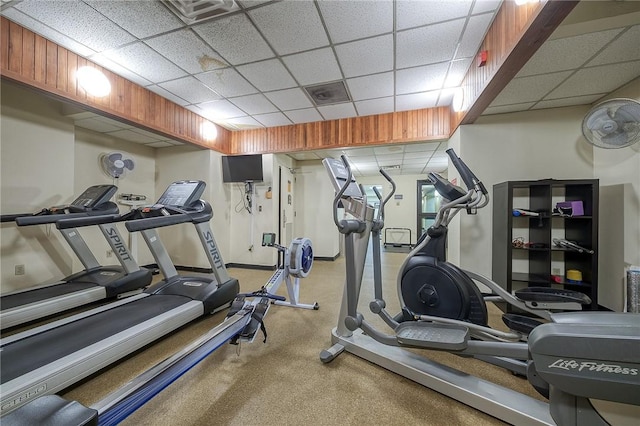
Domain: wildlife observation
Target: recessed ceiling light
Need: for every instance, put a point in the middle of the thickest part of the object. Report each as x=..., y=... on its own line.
x=93, y=81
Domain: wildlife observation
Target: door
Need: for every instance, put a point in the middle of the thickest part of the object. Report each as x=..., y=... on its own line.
x=428, y=205
x=286, y=203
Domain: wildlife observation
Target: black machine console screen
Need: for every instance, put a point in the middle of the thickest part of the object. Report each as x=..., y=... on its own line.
x=94, y=196
x=182, y=193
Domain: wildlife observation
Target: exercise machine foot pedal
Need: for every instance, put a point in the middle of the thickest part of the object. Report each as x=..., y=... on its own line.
x=433, y=336
x=259, y=311
x=520, y=323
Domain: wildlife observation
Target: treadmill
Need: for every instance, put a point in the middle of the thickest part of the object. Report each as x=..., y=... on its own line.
x=45, y=360
x=95, y=282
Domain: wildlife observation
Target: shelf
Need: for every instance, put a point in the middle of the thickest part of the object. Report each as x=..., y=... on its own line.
x=542, y=196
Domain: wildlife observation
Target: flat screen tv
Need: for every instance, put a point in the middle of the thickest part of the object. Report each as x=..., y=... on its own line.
x=242, y=168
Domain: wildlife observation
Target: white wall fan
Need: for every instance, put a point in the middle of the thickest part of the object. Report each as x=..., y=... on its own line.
x=114, y=164
x=613, y=123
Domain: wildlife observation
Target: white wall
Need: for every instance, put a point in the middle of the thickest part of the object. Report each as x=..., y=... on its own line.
x=619, y=174
x=314, y=204
x=37, y=170
x=88, y=148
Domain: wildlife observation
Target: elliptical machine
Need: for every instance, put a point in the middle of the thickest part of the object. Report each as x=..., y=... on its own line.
x=578, y=357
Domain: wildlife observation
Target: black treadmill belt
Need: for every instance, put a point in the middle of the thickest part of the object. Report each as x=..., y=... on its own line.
x=26, y=355
x=39, y=294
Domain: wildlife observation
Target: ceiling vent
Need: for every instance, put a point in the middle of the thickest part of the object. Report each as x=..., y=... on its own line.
x=394, y=167
x=193, y=11
x=328, y=93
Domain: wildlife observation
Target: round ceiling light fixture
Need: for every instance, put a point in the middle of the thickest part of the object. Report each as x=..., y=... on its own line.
x=458, y=100
x=93, y=81
x=209, y=131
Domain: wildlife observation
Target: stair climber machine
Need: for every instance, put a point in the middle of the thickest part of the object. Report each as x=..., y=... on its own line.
x=581, y=360
x=95, y=282
x=49, y=358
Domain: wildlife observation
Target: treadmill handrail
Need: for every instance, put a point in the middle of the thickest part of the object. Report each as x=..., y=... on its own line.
x=12, y=217
x=84, y=220
x=51, y=218
x=157, y=222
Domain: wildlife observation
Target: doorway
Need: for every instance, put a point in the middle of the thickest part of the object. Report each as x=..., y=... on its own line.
x=428, y=204
x=286, y=203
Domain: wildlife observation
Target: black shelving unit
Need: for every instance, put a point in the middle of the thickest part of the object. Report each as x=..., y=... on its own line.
x=539, y=262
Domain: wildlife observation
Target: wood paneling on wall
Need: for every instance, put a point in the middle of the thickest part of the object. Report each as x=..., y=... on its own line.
x=398, y=127
x=515, y=35
x=30, y=59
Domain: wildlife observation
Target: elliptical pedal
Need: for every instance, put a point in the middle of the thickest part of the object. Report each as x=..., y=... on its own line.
x=433, y=336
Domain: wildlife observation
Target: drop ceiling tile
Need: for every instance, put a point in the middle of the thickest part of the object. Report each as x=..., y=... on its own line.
x=534, y=88
x=146, y=62
x=576, y=100
x=457, y=71
x=412, y=170
x=427, y=45
x=508, y=108
x=267, y=75
x=140, y=18
x=422, y=147
x=45, y=31
x=235, y=38
x=242, y=123
x=351, y=20
x=163, y=144
x=317, y=66
x=290, y=26
x=360, y=159
x=304, y=156
x=416, y=101
x=474, y=33
x=226, y=82
x=421, y=79
x=96, y=125
x=334, y=112
x=254, y=104
x=186, y=50
x=273, y=119
x=375, y=106
x=446, y=97
x=166, y=94
x=360, y=152
x=486, y=6
x=107, y=63
x=416, y=13
x=289, y=99
x=601, y=79
x=566, y=53
x=625, y=48
x=190, y=89
x=219, y=110
x=307, y=115
x=367, y=56
x=89, y=27
x=383, y=155
x=133, y=136
x=416, y=160
x=371, y=86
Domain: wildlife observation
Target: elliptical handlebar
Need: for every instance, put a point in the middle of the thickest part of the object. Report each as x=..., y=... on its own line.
x=393, y=191
x=470, y=179
x=338, y=197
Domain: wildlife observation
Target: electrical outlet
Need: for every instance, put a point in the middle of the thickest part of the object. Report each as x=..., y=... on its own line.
x=19, y=270
x=109, y=253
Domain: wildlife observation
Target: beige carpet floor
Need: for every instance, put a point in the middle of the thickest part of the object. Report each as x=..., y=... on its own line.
x=283, y=382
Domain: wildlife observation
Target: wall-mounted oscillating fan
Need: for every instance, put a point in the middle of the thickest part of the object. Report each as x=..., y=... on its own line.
x=115, y=165
x=613, y=124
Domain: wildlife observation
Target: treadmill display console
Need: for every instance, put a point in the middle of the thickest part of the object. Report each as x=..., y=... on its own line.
x=94, y=196
x=182, y=193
